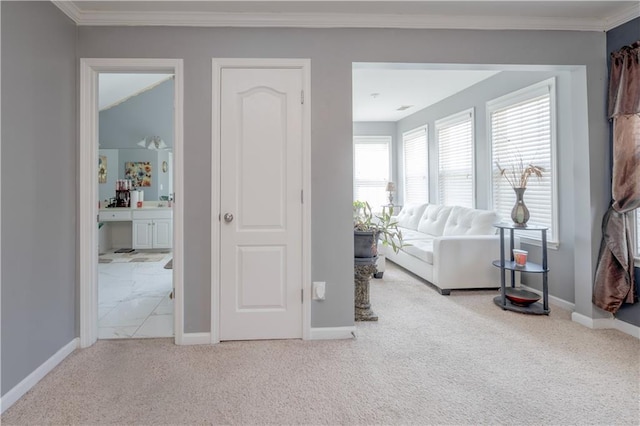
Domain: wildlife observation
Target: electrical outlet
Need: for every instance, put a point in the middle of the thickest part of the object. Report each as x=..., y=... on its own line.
x=318, y=290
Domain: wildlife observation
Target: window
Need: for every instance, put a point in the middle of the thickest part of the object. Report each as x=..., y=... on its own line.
x=522, y=127
x=416, y=169
x=454, y=136
x=371, y=169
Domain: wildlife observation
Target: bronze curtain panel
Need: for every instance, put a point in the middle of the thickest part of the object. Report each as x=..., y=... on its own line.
x=614, y=280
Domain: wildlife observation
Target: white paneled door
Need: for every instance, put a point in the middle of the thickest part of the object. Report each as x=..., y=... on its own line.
x=260, y=203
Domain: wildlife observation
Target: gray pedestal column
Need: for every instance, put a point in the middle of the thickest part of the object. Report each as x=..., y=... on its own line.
x=363, y=272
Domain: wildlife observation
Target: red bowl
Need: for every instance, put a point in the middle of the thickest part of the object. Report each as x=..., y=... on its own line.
x=521, y=297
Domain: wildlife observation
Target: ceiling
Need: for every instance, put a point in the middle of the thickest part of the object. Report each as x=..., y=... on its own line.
x=537, y=15
x=382, y=92
x=116, y=88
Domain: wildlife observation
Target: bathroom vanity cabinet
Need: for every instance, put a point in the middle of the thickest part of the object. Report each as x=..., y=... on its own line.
x=143, y=228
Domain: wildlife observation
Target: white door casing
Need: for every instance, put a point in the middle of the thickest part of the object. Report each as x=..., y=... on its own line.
x=260, y=262
x=88, y=184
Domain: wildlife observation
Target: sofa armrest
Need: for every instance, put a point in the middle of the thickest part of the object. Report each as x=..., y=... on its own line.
x=467, y=260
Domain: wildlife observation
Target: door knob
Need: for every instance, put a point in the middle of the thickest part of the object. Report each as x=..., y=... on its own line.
x=228, y=217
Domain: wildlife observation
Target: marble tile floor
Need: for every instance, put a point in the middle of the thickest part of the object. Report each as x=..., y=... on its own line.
x=133, y=300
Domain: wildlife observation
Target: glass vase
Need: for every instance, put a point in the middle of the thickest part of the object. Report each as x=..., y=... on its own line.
x=520, y=212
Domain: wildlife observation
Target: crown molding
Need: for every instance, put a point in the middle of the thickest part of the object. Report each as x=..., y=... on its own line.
x=338, y=20
x=70, y=9
x=623, y=17
x=329, y=20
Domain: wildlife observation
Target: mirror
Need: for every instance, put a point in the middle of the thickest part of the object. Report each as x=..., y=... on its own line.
x=136, y=133
x=150, y=170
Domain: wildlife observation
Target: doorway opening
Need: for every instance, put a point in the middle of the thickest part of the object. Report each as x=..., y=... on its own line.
x=429, y=134
x=135, y=196
x=114, y=225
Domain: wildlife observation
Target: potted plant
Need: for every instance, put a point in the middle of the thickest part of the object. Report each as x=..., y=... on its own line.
x=369, y=228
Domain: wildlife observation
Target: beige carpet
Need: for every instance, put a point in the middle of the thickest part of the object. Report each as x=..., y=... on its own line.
x=430, y=359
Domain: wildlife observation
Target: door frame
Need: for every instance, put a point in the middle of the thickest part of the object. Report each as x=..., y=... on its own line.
x=218, y=64
x=88, y=187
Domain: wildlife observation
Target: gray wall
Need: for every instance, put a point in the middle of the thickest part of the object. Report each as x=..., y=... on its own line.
x=561, y=277
x=148, y=114
x=332, y=52
x=616, y=38
x=38, y=186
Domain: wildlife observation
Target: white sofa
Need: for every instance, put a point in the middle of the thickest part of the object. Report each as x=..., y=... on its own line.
x=452, y=247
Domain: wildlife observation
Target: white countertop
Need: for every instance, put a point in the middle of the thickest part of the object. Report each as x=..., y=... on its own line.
x=116, y=209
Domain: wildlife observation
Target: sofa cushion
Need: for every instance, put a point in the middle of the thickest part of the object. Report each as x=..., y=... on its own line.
x=410, y=235
x=410, y=215
x=466, y=221
x=433, y=219
x=422, y=249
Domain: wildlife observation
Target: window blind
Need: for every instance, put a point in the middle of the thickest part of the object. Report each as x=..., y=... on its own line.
x=522, y=131
x=416, y=170
x=455, y=160
x=371, y=166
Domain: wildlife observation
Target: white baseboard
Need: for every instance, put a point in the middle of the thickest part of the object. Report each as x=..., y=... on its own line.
x=332, y=333
x=318, y=333
x=606, y=323
x=561, y=303
x=588, y=322
x=196, y=339
x=32, y=379
x=625, y=327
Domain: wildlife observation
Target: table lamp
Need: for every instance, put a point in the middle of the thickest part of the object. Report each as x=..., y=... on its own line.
x=391, y=187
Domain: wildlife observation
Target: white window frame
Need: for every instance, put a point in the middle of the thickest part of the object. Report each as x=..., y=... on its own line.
x=542, y=88
x=454, y=119
x=372, y=139
x=425, y=129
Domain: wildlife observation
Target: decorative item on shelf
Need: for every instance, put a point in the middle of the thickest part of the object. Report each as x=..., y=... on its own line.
x=391, y=188
x=123, y=188
x=517, y=173
x=520, y=213
x=520, y=257
x=521, y=297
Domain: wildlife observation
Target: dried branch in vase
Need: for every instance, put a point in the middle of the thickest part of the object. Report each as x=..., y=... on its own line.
x=518, y=173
